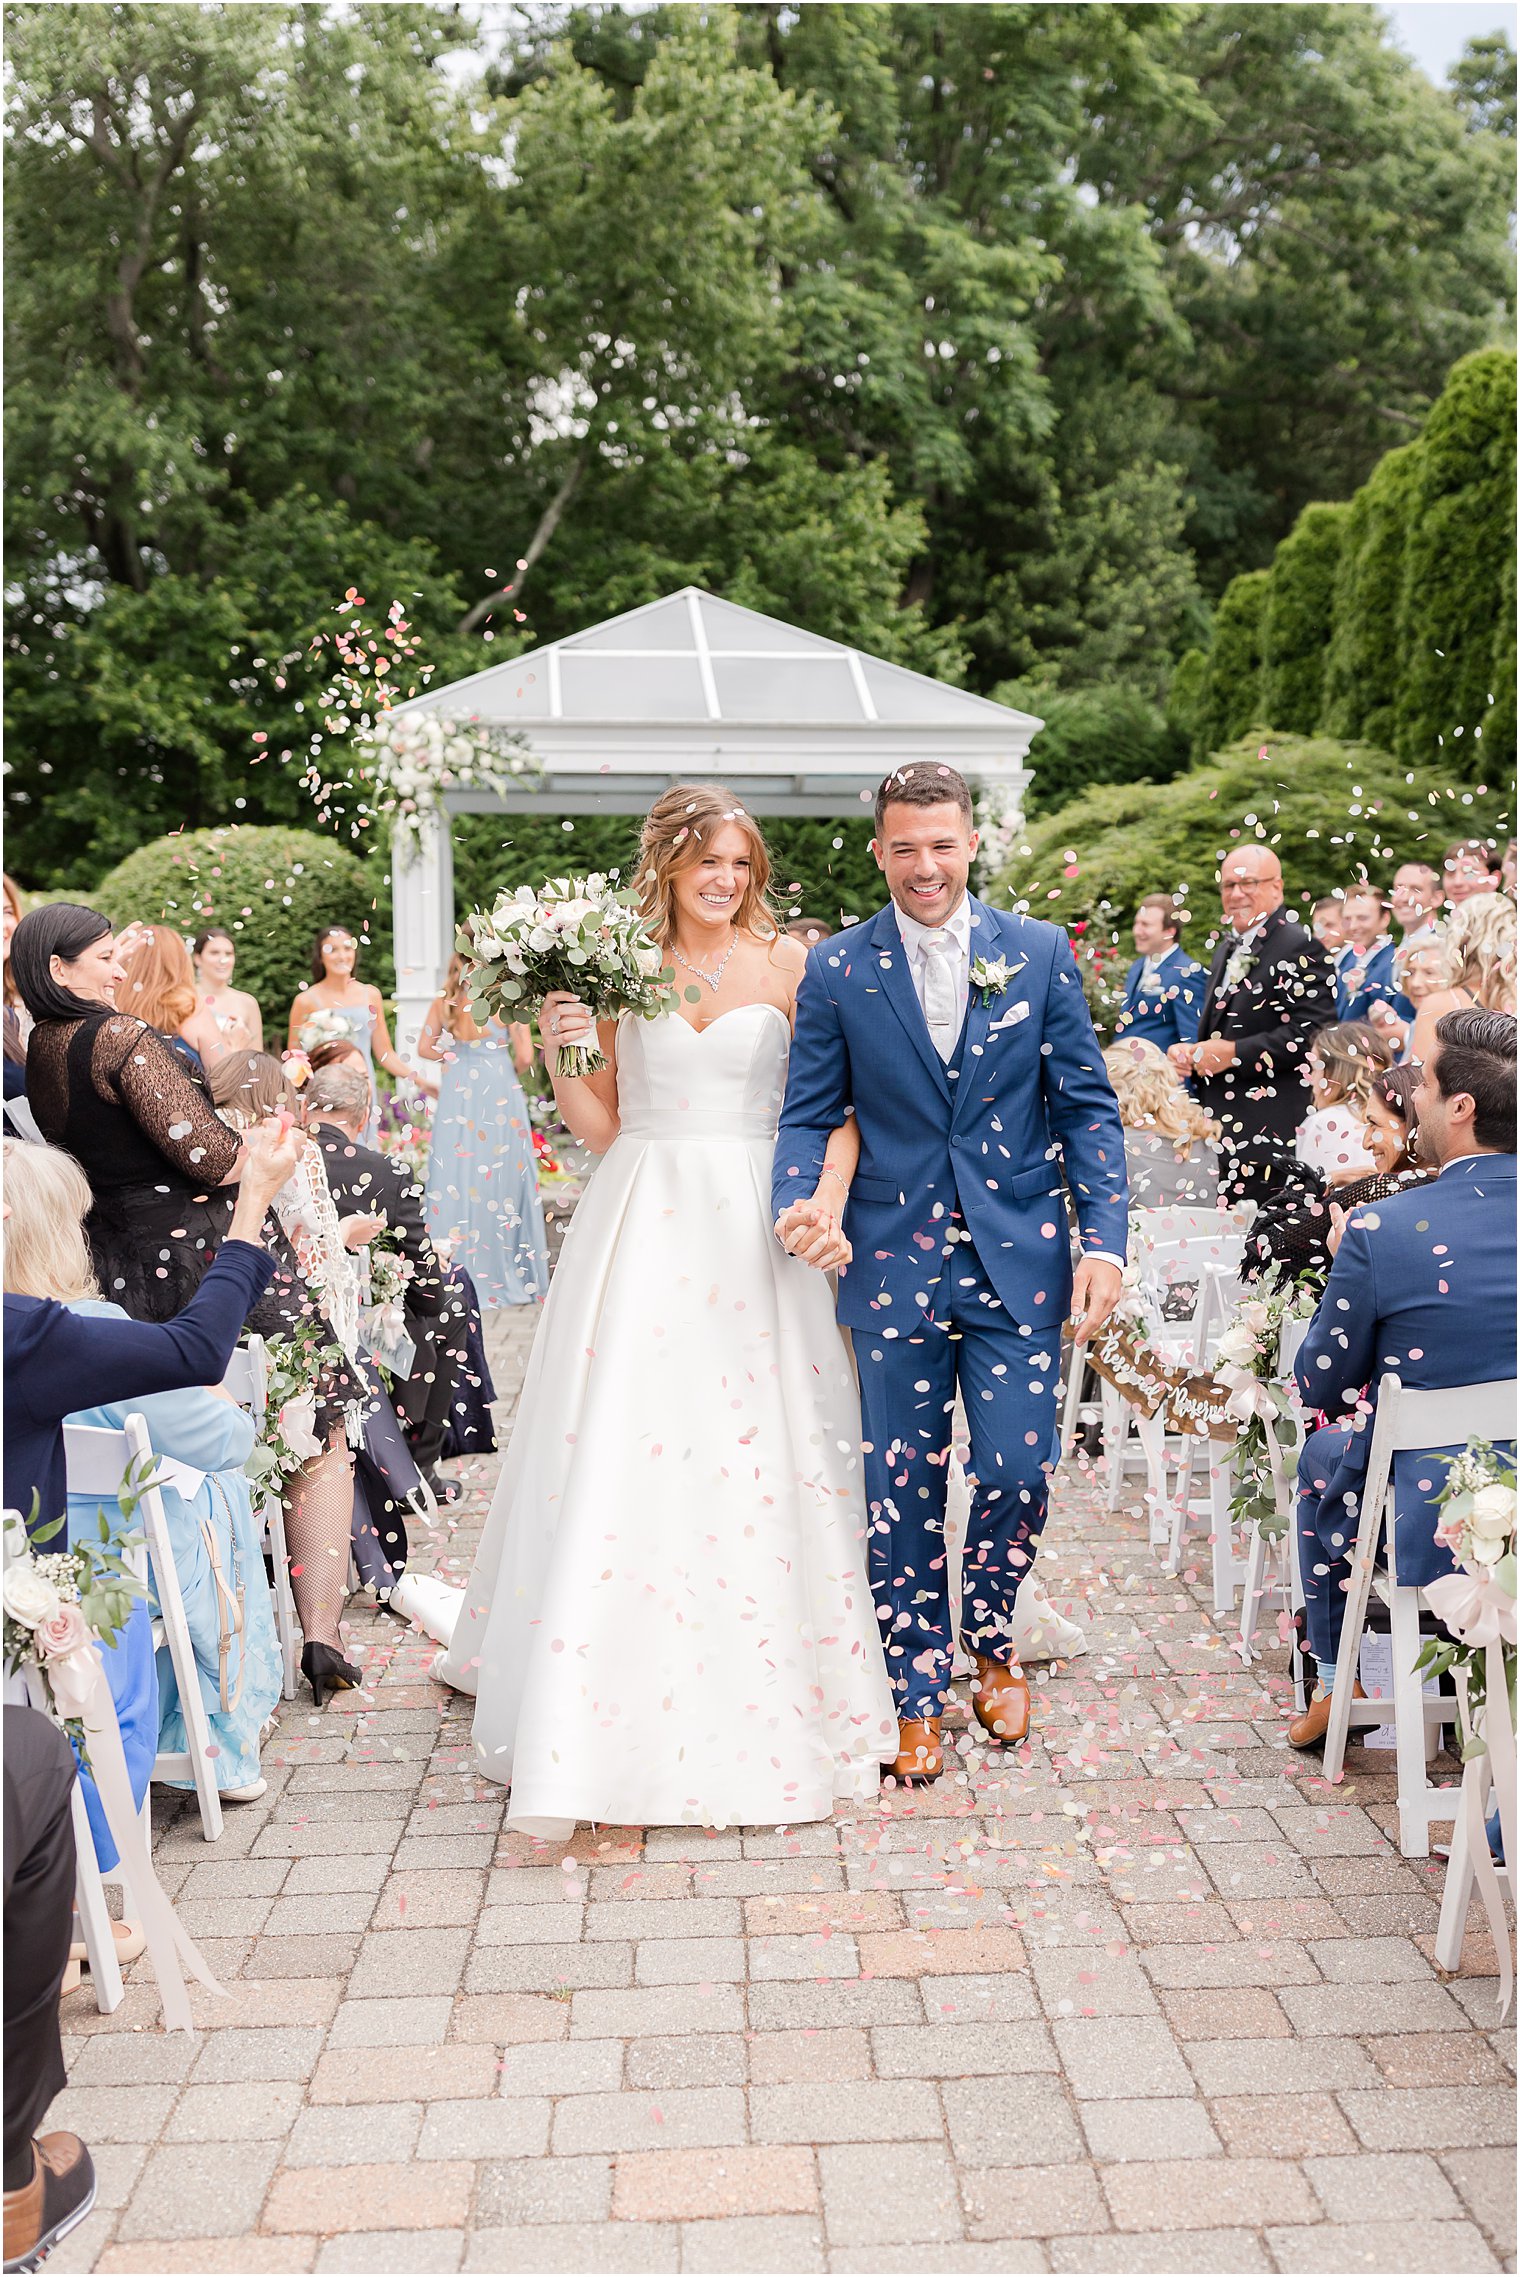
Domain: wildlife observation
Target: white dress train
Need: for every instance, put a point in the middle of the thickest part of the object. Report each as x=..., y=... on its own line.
x=669, y=1620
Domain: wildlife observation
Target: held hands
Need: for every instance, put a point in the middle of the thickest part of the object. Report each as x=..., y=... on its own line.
x=564, y=1020
x=1181, y=1057
x=1213, y=1055
x=1094, y=1293
x=809, y=1231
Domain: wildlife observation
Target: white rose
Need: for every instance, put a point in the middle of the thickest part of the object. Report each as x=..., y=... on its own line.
x=29, y=1597
x=1237, y=1346
x=1486, y=1548
x=649, y=961
x=573, y=914
x=1493, y=1510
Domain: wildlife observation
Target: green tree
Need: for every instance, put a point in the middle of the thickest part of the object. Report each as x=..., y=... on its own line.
x=1365, y=652
x=1091, y=736
x=1230, y=699
x=1296, y=620
x=1483, y=83
x=1460, y=549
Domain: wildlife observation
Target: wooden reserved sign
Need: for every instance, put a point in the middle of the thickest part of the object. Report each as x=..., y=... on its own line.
x=1189, y=1403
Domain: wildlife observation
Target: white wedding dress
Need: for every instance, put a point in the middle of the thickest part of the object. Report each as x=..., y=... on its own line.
x=669, y=1620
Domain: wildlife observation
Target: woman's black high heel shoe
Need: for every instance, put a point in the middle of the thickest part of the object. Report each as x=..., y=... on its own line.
x=326, y=1670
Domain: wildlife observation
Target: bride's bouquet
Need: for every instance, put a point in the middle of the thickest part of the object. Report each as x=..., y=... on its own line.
x=580, y=934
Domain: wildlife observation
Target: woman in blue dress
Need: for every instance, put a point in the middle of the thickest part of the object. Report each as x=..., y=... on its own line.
x=337, y=999
x=482, y=1181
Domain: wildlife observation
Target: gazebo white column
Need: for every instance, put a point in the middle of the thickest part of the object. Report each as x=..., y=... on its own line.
x=422, y=888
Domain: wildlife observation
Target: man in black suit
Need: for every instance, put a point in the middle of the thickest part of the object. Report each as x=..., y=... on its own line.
x=1271, y=986
x=366, y=1183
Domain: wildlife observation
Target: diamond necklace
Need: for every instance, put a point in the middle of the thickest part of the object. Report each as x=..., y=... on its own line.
x=712, y=978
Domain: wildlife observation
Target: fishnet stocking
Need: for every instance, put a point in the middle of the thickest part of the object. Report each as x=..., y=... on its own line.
x=319, y=1516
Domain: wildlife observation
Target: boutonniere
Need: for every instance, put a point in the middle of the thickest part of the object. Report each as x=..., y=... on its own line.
x=1239, y=968
x=990, y=975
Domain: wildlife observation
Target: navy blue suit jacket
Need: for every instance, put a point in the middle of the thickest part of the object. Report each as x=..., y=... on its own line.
x=1376, y=986
x=1170, y=1016
x=1025, y=1096
x=1423, y=1287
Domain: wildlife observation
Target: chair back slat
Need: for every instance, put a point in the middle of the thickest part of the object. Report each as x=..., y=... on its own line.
x=1451, y=1417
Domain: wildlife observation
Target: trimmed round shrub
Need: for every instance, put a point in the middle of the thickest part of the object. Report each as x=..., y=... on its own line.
x=1295, y=625
x=272, y=889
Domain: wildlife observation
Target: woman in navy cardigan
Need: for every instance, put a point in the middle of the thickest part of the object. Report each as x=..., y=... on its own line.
x=56, y=1362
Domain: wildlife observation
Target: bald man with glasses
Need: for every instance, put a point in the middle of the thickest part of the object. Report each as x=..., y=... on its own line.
x=1270, y=987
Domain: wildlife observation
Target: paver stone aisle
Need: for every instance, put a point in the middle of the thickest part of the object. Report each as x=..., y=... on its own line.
x=1148, y=1996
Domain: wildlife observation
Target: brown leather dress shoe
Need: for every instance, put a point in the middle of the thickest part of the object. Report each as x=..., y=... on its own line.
x=1000, y=1697
x=1312, y=1725
x=59, y=2195
x=920, y=1758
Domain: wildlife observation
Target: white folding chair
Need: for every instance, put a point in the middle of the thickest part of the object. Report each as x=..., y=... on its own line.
x=247, y=1381
x=98, y=1461
x=1219, y=1292
x=1461, y=1874
x=1406, y=1422
x=1285, y=1584
x=24, y=1689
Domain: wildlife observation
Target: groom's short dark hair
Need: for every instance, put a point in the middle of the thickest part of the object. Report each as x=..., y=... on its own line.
x=924, y=782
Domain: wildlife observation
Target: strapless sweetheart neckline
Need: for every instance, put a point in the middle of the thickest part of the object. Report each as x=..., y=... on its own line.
x=761, y=1004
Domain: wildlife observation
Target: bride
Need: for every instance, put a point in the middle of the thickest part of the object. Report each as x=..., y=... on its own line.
x=669, y=1620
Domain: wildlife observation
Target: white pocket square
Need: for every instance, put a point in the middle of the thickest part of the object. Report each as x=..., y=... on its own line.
x=1011, y=1018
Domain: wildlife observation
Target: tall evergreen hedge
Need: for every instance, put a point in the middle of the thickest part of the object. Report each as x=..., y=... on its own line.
x=1362, y=663
x=1230, y=699
x=1453, y=632
x=1296, y=620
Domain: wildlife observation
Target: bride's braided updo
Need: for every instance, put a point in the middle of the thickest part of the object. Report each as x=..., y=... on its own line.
x=675, y=834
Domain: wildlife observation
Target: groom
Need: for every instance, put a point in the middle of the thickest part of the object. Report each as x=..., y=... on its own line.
x=959, y=1037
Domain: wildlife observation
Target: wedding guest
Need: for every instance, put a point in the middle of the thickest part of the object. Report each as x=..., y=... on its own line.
x=1472, y=865
x=1328, y=924
x=1343, y=1061
x=217, y=1557
x=482, y=1180
x=361, y=1178
x=1415, y=898
x=236, y=1013
x=1364, y=968
x=159, y=987
x=1479, y=966
x=324, y=1515
x=1163, y=989
x=102, y=1084
x=1411, y=1281
x=1170, y=1144
x=1297, y=1231
x=337, y=991
x=49, y=2179
x=1270, y=988
x=17, y=1019
x=49, y=1354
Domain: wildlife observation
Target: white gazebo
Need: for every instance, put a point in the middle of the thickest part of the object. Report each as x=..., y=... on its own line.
x=692, y=687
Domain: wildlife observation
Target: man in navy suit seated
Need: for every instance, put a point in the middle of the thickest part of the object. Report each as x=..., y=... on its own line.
x=1163, y=989
x=1423, y=1287
x=1364, y=968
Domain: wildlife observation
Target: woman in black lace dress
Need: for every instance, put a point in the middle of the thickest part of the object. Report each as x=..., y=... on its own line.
x=161, y=1163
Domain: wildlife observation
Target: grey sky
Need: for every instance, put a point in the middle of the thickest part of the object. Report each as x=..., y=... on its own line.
x=1435, y=32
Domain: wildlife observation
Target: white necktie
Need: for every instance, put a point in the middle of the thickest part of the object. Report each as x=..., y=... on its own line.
x=940, y=993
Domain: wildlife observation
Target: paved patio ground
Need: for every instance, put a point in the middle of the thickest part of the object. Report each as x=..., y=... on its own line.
x=1148, y=1996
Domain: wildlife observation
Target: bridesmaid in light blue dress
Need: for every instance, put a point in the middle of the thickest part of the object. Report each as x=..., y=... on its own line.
x=482, y=1182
